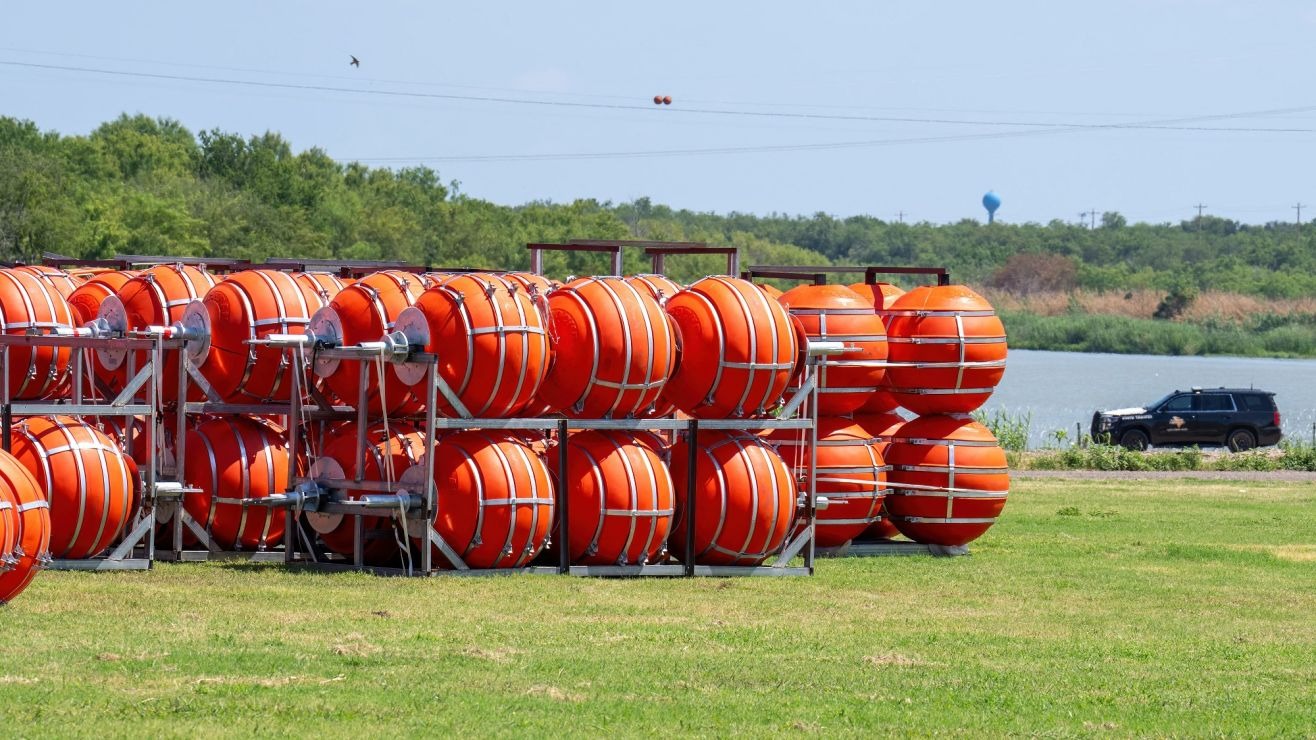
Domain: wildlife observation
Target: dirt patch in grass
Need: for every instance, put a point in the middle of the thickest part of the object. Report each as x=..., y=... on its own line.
x=554, y=693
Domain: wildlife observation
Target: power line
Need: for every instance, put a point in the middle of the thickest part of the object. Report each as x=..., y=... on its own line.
x=1176, y=124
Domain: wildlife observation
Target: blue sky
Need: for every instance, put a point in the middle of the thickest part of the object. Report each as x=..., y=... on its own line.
x=959, y=97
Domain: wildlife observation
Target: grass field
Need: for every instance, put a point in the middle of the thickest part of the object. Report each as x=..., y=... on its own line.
x=1166, y=607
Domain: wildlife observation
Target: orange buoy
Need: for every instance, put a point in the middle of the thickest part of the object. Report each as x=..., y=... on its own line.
x=246, y=306
x=85, y=476
x=660, y=287
x=61, y=281
x=491, y=342
x=614, y=349
x=849, y=473
x=834, y=313
x=620, y=495
x=530, y=280
x=745, y=503
x=881, y=428
x=949, y=479
x=325, y=284
x=495, y=499
x=29, y=303
x=27, y=517
x=738, y=349
x=86, y=300
x=771, y=289
x=947, y=349
x=365, y=312
x=881, y=296
x=158, y=296
x=232, y=458
x=389, y=452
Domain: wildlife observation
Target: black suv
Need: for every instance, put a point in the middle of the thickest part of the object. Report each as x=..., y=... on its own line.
x=1238, y=418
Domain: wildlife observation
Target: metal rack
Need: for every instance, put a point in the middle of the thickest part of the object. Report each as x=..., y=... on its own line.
x=137, y=548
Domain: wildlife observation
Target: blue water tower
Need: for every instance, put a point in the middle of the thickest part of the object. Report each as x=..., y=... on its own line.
x=991, y=201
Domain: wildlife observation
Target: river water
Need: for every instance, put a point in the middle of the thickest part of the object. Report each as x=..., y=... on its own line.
x=1060, y=389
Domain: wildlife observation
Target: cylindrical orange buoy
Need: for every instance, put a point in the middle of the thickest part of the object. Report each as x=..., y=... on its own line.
x=85, y=476
x=495, y=499
x=26, y=514
x=771, y=289
x=881, y=428
x=660, y=287
x=29, y=303
x=230, y=459
x=530, y=280
x=491, y=341
x=86, y=299
x=744, y=500
x=246, y=306
x=881, y=295
x=365, y=312
x=614, y=349
x=947, y=350
x=949, y=479
x=849, y=473
x=389, y=452
x=61, y=281
x=620, y=496
x=156, y=297
x=738, y=349
x=834, y=313
x=324, y=284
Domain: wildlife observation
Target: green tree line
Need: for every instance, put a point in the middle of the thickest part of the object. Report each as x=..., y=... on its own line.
x=141, y=185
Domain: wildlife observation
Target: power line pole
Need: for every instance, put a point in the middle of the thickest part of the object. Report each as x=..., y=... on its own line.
x=1093, y=214
x=1299, y=208
x=900, y=216
x=1200, y=207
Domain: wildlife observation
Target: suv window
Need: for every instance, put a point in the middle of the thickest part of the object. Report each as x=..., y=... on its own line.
x=1179, y=403
x=1257, y=402
x=1217, y=402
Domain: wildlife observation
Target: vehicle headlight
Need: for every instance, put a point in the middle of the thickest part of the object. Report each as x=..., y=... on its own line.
x=1106, y=422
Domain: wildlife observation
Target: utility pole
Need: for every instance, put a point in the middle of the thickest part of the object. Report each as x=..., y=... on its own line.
x=1092, y=213
x=900, y=216
x=1090, y=216
x=1299, y=208
x=1200, y=207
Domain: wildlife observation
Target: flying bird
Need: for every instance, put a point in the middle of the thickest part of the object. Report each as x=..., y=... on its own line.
x=355, y=62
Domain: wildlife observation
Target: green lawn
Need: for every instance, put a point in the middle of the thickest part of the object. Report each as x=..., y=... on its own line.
x=1184, y=607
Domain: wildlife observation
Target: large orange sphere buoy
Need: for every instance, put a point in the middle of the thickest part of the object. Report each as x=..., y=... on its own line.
x=85, y=476
x=745, y=499
x=246, y=306
x=881, y=296
x=738, y=349
x=230, y=459
x=365, y=311
x=949, y=479
x=849, y=473
x=881, y=428
x=495, y=499
x=61, y=281
x=389, y=452
x=834, y=313
x=614, y=349
x=158, y=296
x=26, y=516
x=529, y=280
x=947, y=350
x=491, y=341
x=660, y=287
x=324, y=284
x=87, y=298
x=620, y=495
x=29, y=303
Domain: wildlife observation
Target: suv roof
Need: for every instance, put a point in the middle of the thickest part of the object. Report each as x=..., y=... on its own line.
x=1199, y=389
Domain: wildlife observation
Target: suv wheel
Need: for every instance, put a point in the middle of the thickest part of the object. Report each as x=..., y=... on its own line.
x=1241, y=440
x=1134, y=439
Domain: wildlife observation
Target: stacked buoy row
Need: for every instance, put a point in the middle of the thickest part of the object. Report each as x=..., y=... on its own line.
x=510, y=345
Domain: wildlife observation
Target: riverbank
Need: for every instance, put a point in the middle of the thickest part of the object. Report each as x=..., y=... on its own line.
x=1267, y=335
